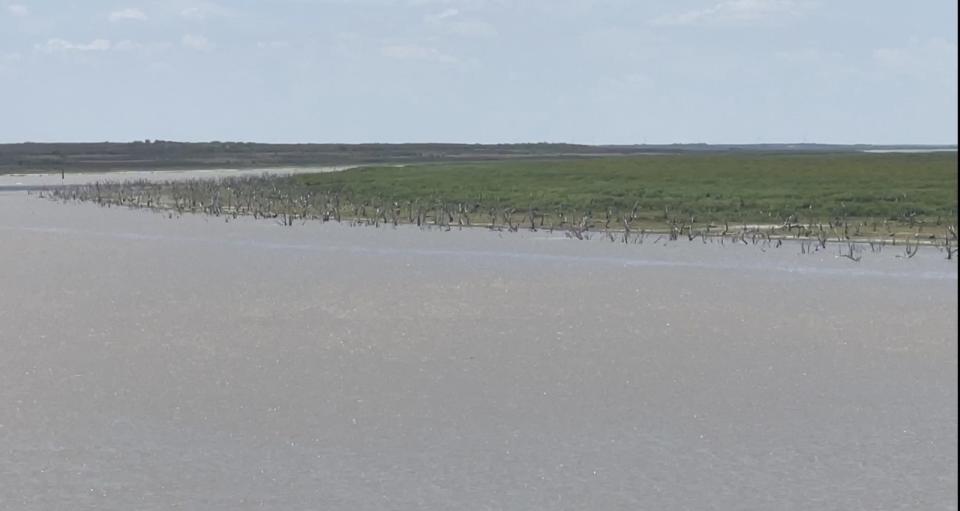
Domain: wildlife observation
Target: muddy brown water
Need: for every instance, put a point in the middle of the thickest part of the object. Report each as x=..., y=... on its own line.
x=192, y=363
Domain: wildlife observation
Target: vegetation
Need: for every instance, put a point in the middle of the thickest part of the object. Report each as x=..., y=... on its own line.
x=902, y=188
x=814, y=197
x=161, y=154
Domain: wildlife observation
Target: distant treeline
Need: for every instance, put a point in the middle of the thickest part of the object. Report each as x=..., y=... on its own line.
x=161, y=154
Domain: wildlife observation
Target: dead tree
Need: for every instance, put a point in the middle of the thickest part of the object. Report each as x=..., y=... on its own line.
x=850, y=253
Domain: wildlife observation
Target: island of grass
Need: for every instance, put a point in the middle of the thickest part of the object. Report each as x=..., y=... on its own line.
x=906, y=189
x=855, y=194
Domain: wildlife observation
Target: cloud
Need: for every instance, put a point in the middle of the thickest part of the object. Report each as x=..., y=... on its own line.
x=416, y=52
x=451, y=22
x=449, y=13
x=18, y=10
x=196, y=42
x=735, y=12
x=101, y=45
x=128, y=14
x=203, y=11
x=62, y=45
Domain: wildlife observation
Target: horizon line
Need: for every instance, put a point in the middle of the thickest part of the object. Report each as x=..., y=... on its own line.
x=953, y=145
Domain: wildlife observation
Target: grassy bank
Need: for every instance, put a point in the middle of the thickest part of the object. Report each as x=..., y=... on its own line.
x=900, y=188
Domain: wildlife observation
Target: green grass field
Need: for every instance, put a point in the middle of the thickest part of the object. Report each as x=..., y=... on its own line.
x=901, y=188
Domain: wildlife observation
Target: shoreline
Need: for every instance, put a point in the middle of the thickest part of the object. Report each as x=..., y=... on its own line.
x=749, y=234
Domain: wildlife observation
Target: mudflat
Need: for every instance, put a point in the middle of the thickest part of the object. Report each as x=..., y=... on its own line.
x=198, y=363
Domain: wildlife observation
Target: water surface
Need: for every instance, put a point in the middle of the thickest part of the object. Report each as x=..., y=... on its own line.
x=16, y=182
x=196, y=363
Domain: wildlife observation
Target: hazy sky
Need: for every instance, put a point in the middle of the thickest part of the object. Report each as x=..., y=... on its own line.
x=587, y=71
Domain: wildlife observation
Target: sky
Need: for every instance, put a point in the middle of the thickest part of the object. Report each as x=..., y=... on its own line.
x=480, y=71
